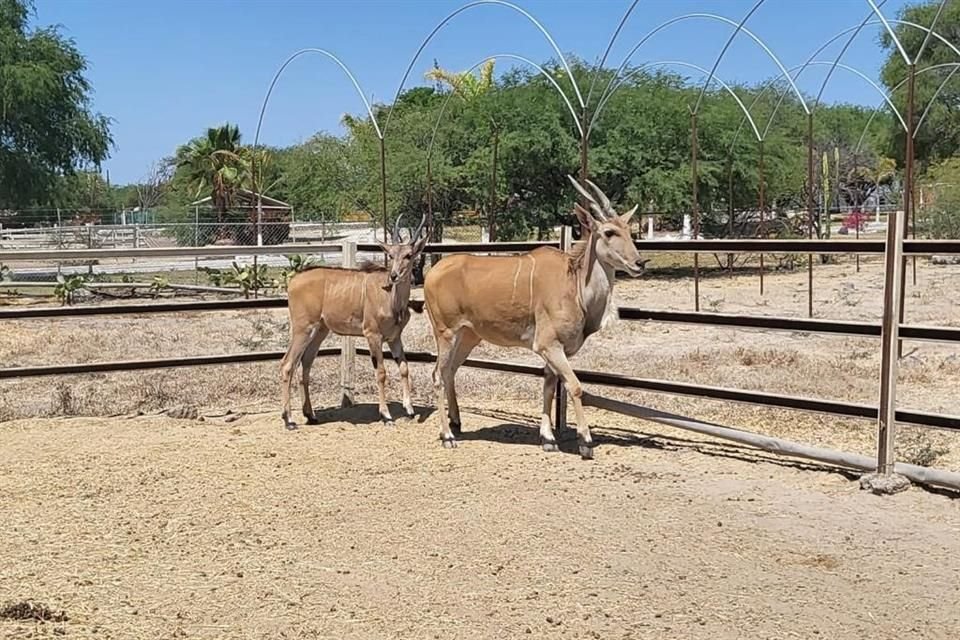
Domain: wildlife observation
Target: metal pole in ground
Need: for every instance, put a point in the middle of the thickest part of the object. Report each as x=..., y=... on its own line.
x=763, y=217
x=730, y=209
x=884, y=481
x=907, y=189
x=383, y=191
x=810, y=186
x=694, y=187
x=492, y=218
x=348, y=349
x=560, y=421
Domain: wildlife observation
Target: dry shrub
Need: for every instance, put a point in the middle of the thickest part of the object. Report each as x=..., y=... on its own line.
x=28, y=610
x=153, y=393
x=915, y=446
x=65, y=401
x=749, y=356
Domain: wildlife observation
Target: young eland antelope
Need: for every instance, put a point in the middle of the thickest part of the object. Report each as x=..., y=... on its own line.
x=544, y=300
x=371, y=301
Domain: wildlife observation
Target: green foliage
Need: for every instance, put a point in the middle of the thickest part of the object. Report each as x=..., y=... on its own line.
x=68, y=286
x=942, y=216
x=46, y=126
x=248, y=278
x=297, y=263
x=939, y=135
x=158, y=284
x=216, y=165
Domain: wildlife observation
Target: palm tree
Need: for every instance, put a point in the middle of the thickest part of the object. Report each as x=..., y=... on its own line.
x=215, y=163
x=469, y=88
x=464, y=84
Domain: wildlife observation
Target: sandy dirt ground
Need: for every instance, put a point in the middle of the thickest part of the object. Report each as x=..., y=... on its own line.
x=232, y=527
x=161, y=528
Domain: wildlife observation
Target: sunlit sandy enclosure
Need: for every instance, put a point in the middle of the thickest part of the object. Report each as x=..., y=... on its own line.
x=220, y=522
x=711, y=274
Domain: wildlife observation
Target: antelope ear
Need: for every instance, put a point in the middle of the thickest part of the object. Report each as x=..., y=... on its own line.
x=628, y=216
x=586, y=219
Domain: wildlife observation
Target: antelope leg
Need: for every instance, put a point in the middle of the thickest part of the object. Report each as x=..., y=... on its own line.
x=547, y=439
x=396, y=348
x=299, y=339
x=444, y=348
x=557, y=360
x=463, y=344
x=306, y=361
x=376, y=355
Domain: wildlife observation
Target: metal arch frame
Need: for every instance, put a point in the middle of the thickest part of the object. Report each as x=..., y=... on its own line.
x=331, y=56
x=926, y=40
x=470, y=5
x=656, y=63
x=843, y=51
x=606, y=53
x=890, y=32
x=803, y=67
x=266, y=100
x=955, y=66
x=723, y=52
x=715, y=18
x=872, y=83
x=510, y=56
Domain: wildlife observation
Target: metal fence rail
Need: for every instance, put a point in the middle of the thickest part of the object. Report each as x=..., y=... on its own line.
x=774, y=323
x=764, y=399
x=863, y=247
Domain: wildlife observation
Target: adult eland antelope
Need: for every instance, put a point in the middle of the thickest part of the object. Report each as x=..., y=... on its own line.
x=545, y=300
x=370, y=301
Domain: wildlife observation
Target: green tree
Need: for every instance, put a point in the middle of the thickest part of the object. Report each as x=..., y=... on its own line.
x=215, y=164
x=47, y=127
x=941, y=184
x=939, y=136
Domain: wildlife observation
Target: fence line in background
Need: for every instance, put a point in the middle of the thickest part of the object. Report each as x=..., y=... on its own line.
x=862, y=247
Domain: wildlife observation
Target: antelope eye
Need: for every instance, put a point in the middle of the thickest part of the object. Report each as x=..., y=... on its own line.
x=610, y=233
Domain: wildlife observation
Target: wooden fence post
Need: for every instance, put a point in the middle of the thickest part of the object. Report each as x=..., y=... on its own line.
x=884, y=480
x=560, y=421
x=348, y=350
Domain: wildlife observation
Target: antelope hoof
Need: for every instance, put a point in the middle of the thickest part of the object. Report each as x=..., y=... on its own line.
x=311, y=418
x=586, y=451
x=288, y=424
x=387, y=419
x=410, y=412
x=550, y=447
x=449, y=443
x=456, y=428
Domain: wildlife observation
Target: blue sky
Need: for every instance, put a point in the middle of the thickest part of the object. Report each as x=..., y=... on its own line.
x=167, y=70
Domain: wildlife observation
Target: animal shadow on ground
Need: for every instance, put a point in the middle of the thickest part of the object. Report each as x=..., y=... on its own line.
x=366, y=414
x=529, y=435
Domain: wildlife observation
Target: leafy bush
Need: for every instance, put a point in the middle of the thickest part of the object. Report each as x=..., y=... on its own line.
x=67, y=287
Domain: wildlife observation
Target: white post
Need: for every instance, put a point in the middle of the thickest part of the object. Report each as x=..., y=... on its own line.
x=686, y=225
x=484, y=235
x=884, y=481
x=876, y=193
x=348, y=351
x=649, y=227
x=196, y=243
